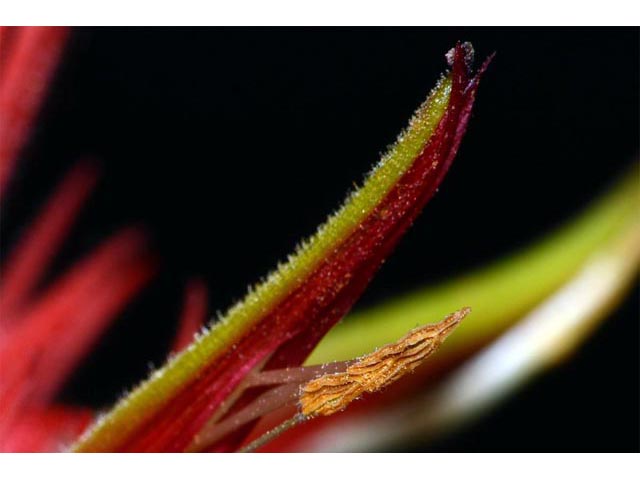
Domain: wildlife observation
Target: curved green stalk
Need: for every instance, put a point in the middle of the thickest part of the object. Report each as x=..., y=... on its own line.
x=499, y=293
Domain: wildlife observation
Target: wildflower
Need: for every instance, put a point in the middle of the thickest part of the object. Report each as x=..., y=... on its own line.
x=244, y=378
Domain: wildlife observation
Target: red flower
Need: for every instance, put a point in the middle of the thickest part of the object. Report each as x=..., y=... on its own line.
x=274, y=328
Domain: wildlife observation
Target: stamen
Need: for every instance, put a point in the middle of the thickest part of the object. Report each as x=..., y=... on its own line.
x=287, y=393
x=296, y=374
x=269, y=401
x=273, y=433
x=332, y=393
x=325, y=389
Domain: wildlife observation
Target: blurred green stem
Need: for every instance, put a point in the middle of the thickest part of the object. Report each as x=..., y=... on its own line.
x=500, y=293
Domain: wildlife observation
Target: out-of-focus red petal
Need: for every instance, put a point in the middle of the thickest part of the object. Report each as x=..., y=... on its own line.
x=49, y=430
x=32, y=53
x=37, y=248
x=54, y=334
x=194, y=313
x=7, y=37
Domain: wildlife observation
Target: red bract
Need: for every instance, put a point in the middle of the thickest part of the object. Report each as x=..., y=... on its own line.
x=37, y=248
x=44, y=336
x=194, y=314
x=28, y=60
x=43, y=340
x=285, y=336
x=46, y=430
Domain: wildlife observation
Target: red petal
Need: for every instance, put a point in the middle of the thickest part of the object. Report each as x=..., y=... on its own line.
x=32, y=55
x=34, y=252
x=50, y=430
x=38, y=353
x=194, y=314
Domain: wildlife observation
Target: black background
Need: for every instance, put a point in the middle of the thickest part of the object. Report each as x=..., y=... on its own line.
x=230, y=145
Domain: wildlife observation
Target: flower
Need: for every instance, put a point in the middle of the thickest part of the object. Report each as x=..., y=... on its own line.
x=212, y=394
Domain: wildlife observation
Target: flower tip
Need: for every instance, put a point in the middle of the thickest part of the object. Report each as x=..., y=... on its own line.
x=468, y=54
